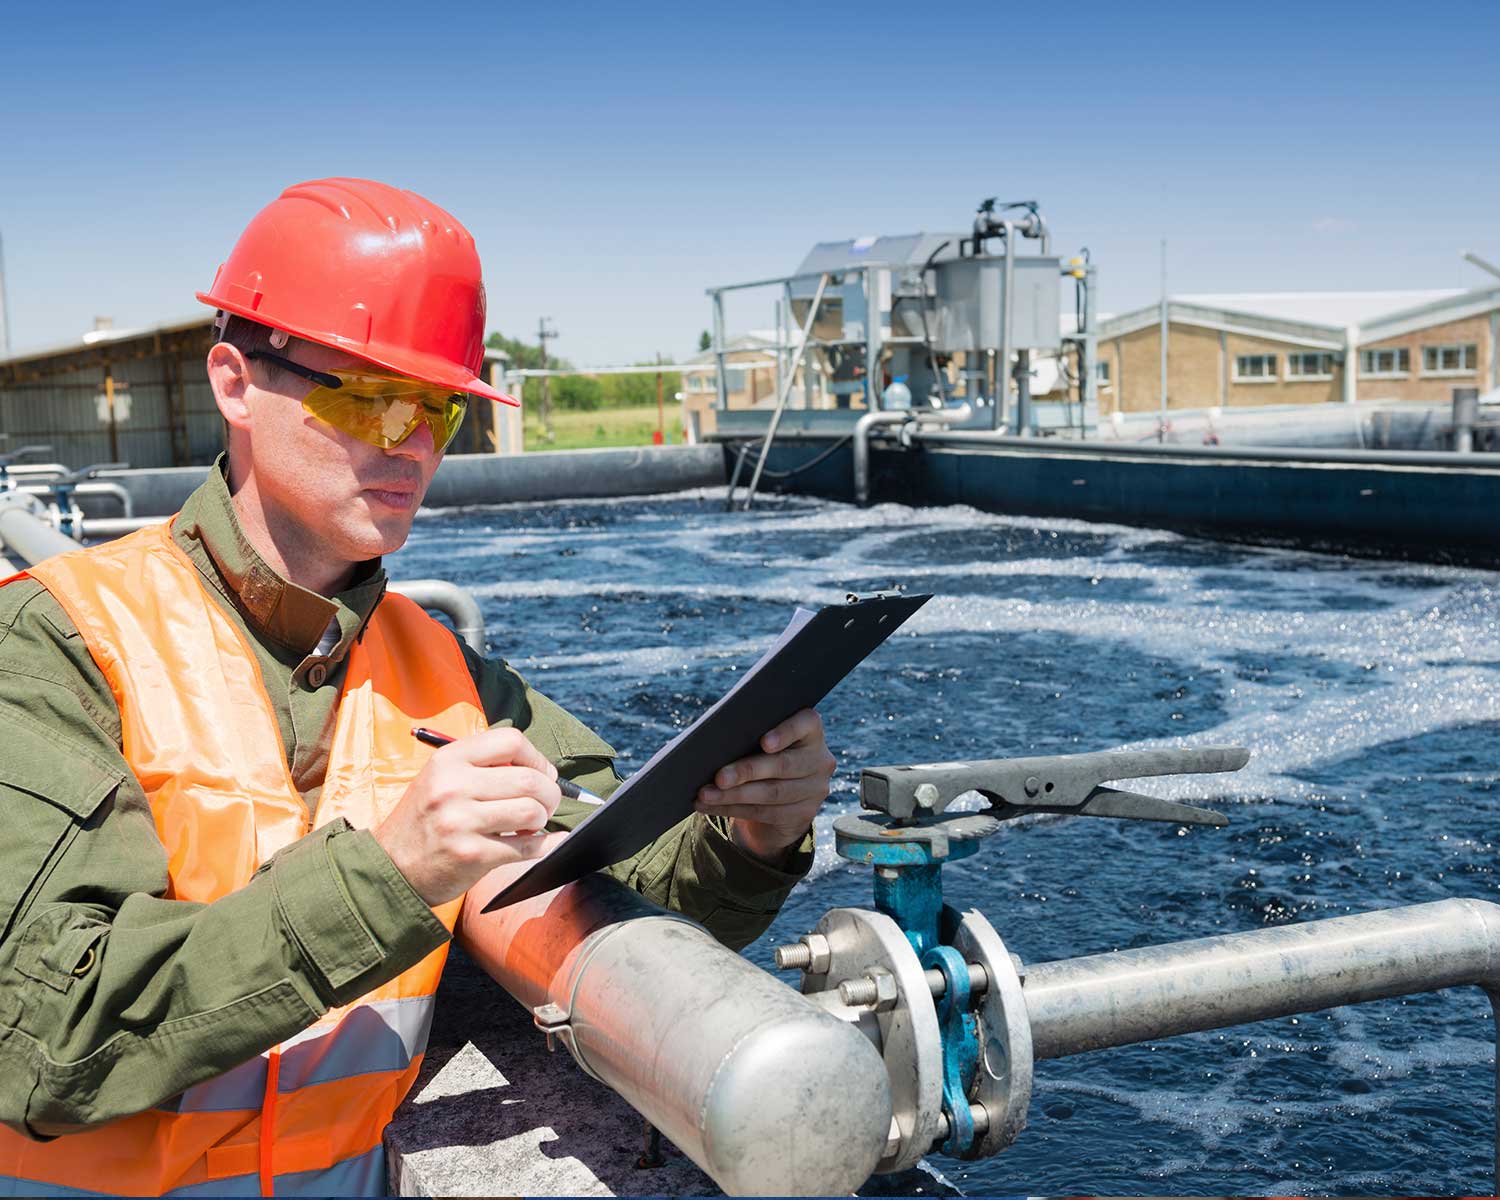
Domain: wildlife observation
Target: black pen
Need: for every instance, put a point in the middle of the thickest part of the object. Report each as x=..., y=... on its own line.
x=568, y=788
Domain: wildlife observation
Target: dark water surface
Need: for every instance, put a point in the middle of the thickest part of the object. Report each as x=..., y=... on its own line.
x=1369, y=693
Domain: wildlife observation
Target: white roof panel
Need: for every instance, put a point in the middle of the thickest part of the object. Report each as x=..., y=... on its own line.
x=1318, y=308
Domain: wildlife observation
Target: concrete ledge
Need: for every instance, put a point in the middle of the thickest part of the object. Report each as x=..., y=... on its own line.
x=574, y=474
x=480, y=478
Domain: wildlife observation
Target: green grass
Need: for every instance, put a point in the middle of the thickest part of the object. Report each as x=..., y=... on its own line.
x=602, y=427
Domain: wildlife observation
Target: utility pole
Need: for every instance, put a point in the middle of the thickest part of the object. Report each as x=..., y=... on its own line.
x=1161, y=425
x=661, y=410
x=4, y=308
x=542, y=334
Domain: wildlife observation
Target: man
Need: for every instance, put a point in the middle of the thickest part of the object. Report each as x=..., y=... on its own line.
x=228, y=873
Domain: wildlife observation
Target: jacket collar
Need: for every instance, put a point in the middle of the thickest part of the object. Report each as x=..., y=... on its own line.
x=290, y=618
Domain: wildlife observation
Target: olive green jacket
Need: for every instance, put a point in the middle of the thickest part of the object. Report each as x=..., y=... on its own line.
x=112, y=998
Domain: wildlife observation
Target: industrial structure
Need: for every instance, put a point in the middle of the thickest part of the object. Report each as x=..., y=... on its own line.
x=929, y=321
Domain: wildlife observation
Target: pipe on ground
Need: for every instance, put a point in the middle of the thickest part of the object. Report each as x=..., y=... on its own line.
x=767, y=1093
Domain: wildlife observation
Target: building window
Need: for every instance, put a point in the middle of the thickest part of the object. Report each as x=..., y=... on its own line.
x=1385, y=364
x=734, y=378
x=1255, y=368
x=1450, y=360
x=1101, y=374
x=1309, y=365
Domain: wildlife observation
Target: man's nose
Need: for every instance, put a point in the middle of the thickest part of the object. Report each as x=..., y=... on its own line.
x=418, y=445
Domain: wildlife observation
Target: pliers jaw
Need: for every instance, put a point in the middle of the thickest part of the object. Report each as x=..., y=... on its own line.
x=1072, y=784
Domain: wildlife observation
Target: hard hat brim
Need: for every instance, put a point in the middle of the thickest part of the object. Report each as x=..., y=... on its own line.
x=426, y=368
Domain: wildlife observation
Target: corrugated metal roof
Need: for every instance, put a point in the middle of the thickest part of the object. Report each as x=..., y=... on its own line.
x=104, y=337
x=1318, y=308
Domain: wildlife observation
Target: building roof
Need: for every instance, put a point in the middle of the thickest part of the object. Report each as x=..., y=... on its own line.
x=105, y=337
x=1318, y=308
x=1318, y=319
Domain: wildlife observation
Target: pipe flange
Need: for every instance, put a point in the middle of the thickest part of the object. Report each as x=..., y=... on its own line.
x=860, y=942
x=1003, y=1081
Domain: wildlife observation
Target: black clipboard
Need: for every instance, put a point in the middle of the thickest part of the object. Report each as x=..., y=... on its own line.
x=808, y=660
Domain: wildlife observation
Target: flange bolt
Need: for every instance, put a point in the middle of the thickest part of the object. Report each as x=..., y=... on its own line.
x=811, y=954
x=926, y=796
x=876, y=990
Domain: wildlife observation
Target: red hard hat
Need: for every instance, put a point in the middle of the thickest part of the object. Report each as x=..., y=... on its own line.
x=369, y=269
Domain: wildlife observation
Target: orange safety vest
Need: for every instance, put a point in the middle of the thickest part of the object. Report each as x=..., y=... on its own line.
x=199, y=732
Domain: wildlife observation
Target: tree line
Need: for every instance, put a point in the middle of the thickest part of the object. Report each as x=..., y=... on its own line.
x=584, y=393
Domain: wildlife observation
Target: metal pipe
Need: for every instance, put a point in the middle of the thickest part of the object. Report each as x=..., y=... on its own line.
x=96, y=487
x=1082, y=1004
x=24, y=529
x=1090, y=344
x=52, y=468
x=1007, y=328
x=105, y=528
x=765, y=1091
x=452, y=601
x=1023, y=393
x=866, y=426
x=1465, y=414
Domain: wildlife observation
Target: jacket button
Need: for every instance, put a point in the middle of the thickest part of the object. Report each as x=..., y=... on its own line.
x=317, y=674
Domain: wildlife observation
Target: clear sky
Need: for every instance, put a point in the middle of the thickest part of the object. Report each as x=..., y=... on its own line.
x=614, y=160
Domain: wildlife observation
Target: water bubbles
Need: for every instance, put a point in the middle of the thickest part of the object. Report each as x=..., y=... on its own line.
x=1368, y=692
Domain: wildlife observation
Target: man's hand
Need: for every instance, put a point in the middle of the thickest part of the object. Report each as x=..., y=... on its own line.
x=773, y=797
x=480, y=802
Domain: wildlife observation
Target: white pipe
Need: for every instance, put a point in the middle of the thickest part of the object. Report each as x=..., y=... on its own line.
x=867, y=424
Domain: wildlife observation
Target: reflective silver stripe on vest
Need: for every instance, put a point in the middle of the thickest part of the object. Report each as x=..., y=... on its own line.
x=384, y=1035
x=363, y=1175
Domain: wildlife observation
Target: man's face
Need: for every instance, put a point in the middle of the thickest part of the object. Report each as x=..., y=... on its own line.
x=350, y=500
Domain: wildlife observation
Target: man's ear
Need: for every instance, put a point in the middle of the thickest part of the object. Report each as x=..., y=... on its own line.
x=229, y=376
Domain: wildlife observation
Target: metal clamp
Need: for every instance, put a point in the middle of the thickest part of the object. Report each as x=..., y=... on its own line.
x=554, y=1021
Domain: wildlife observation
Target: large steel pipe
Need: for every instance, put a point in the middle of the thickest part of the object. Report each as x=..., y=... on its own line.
x=31, y=536
x=764, y=1091
x=1082, y=1004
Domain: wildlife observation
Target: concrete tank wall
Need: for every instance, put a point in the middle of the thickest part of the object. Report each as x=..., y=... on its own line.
x=482, y=478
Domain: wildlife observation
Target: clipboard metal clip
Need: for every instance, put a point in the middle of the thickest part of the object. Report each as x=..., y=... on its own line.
x=889, y=594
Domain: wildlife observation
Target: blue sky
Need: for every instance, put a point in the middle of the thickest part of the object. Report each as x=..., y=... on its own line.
x=614, y=160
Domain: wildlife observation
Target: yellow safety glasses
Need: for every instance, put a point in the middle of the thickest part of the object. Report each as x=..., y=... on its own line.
x=381, y=410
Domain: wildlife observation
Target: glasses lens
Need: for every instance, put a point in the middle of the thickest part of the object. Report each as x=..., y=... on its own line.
x=385, y=410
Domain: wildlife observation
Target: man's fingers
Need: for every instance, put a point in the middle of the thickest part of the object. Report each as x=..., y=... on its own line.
x=799, y=762
x=769, y=794
x=501, y=747
x=523, y=847
x=495, y=784
x=799, y=727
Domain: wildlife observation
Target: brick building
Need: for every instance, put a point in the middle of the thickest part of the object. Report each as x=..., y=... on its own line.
x=1237, y=351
